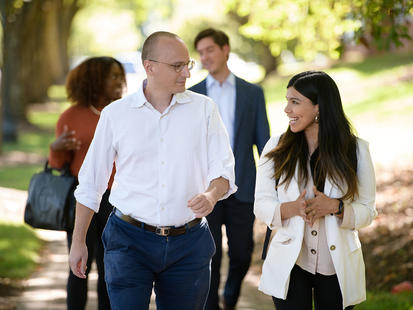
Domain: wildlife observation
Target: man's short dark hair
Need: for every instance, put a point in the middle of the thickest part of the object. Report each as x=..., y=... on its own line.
x=150, y=43
x=219, y=37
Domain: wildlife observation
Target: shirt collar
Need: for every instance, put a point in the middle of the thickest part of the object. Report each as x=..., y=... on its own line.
x=139, y=98
x=210, y=81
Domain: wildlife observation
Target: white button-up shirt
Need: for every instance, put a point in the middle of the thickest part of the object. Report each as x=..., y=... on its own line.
x=224, y=95
x=162, y=159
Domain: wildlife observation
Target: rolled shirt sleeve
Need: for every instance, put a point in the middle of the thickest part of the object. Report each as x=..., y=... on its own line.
x=220, y=157
x=97, y=165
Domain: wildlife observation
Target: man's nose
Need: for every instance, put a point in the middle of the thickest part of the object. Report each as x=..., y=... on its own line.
x=185, y=72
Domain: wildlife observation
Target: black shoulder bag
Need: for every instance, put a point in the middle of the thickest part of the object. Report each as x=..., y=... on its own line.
x=50, y=202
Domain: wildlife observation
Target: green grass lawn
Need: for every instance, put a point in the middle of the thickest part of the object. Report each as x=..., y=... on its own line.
x=37, y=142
x=387, y=301
x=378, y=85
x=19, y=248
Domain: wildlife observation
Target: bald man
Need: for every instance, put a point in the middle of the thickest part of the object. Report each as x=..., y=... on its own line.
x=173, y=163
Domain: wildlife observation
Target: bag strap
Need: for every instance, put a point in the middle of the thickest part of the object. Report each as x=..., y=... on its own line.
x=65, y=170
x=269, y=231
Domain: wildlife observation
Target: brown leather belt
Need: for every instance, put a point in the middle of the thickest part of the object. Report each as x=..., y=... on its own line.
x=161, y=231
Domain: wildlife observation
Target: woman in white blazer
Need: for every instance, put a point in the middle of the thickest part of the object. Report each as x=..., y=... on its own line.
x=325, y=193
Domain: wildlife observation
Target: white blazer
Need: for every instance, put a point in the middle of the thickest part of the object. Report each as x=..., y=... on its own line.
x=344, y=244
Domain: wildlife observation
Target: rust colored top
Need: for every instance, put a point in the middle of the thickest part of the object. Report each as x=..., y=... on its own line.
x=83, y=121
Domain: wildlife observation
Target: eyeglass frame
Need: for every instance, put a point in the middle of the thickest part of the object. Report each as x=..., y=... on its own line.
x=190, y=64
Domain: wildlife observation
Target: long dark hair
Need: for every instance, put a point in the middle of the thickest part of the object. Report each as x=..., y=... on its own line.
x=86, y=82
x=336, y=141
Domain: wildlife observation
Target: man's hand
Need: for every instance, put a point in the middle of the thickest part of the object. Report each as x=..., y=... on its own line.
x=320, y=206
x=78, y=251
x=78, y=259
x=202, y=204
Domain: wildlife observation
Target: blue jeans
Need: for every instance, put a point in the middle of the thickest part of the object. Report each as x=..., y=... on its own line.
x=178, y=267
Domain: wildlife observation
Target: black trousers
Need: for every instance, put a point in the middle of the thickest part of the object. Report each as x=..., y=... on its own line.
x=327, y=293
x=238, y=218
x=76, y=287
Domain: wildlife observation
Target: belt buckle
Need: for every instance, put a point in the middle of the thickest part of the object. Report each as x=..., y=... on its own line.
x=163, y=231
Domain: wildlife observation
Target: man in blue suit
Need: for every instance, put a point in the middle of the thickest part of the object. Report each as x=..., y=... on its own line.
x=242, y=108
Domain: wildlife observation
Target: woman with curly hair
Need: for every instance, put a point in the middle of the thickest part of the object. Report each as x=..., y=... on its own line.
x=316, y=188
x=90, y=86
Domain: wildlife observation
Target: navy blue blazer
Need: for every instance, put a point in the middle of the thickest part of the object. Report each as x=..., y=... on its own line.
x=251, y=127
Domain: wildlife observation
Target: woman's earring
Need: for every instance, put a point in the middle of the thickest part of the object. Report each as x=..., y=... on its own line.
x=317, y=118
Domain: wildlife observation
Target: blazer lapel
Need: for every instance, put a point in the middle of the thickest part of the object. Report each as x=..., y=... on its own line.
x=239, y=104
x=203, y=88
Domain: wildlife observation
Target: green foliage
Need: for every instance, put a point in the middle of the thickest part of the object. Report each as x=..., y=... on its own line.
x=19, y=248
x=386, y=21
x=308, y=27
x=113, y=26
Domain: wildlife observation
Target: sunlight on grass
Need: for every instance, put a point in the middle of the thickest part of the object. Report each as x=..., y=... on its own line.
x=378, y=99
x=18, y=177
x=31, y=143
x=57, y=92
x=19, y=248
x=46, y=120
x=386, y=301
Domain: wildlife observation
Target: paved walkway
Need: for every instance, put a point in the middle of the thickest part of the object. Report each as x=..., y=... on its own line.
x=46, y=288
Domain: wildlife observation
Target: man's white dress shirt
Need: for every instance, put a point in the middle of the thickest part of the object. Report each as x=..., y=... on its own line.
x=162, y=159
x=224, y=95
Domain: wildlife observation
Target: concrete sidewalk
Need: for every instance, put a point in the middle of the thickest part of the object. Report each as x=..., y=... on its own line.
x=46, y=287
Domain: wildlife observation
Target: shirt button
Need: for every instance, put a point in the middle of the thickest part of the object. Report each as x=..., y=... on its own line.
x=313, y=251
x=162, y=162
x=163, y=209
x=333, y=247
x=314, y=233
x=161, y=139
x=163, y=185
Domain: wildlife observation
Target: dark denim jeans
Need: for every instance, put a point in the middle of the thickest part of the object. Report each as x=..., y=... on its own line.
x=177, y=267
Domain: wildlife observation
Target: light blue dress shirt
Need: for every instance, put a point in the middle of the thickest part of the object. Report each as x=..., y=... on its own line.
x=224, y=96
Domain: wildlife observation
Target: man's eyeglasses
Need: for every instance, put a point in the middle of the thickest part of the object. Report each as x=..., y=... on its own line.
x=178, y=66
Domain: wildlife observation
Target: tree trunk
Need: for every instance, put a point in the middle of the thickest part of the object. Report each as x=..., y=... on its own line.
x=34, y=55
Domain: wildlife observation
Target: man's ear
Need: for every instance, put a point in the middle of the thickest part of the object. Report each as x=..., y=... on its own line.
x=147, y=65
x=226, y=49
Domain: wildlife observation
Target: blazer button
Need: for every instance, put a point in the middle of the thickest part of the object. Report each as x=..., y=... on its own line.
x=333, y=247
x=314, y=233
x=313, y=251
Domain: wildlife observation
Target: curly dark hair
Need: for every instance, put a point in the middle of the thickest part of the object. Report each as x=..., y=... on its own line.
x=86, y=82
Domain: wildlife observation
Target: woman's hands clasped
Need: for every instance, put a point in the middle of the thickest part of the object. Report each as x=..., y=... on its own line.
x=310, y=210
x=319, y=206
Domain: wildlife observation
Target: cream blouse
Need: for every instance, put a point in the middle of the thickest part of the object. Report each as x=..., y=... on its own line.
x=315, y=255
